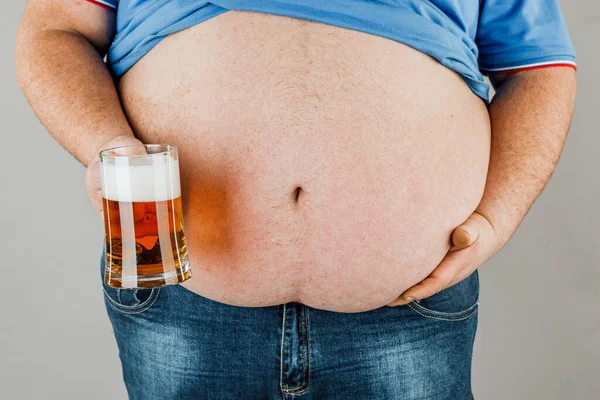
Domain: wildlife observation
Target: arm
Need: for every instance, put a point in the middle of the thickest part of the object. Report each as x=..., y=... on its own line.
x=530, y=113
x=60, y=46
x=530, y=116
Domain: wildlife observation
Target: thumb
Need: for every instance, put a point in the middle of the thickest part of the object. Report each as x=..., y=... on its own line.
x=99, y=207
x=97, y=203
x=467, y=233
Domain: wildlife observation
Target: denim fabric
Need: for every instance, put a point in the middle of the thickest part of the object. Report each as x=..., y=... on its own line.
x=174, y=344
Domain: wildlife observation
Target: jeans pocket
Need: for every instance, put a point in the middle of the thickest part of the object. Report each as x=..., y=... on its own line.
x=456, y=303
x=127, y=301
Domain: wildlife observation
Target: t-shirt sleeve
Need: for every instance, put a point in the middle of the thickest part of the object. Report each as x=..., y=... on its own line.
x=108, y=4
x=516, y=35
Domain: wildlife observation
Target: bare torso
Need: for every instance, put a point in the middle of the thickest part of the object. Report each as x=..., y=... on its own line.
x=390, y=150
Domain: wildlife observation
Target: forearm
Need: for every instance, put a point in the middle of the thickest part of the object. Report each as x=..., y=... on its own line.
x=70, y=89
x=530, y=116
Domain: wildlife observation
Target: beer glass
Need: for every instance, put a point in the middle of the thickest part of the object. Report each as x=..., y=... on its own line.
x=143, y=219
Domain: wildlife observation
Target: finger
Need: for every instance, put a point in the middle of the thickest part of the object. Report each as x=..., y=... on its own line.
x=93, y=187
x=399, y=302
x=132, y=150
x=123, y=145
x=127, y=150
x=467, y=233
x=95, y=197
x=450, y=271
x=427, y=287
x=97, y=202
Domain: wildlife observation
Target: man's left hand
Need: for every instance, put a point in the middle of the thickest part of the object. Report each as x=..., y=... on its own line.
x=473, y=243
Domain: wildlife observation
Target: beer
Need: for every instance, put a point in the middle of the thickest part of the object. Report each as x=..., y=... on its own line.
x=143, y=222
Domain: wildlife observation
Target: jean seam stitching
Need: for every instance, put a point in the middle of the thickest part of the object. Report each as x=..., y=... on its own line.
x=133, y=309
x=304, y=387
x=302, y=345
x=281, y=383
x=439, y=318
x=443, y=314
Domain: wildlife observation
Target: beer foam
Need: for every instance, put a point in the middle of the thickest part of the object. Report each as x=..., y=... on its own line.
x=125, y=181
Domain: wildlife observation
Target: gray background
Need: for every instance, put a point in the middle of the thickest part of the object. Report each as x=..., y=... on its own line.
x=539, y=333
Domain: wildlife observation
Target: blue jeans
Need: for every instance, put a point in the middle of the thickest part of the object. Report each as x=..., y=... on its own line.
x=176, y=345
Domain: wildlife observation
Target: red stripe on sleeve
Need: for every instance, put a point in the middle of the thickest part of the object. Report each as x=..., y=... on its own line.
x=510, y=71
x=100, y=5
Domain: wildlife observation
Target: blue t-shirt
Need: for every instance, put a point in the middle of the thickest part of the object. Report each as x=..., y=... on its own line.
x=467, y=36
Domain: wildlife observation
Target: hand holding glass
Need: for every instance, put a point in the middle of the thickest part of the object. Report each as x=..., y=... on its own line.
x=143, y=218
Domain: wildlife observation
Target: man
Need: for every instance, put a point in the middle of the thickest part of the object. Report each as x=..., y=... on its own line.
x=336, y=157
